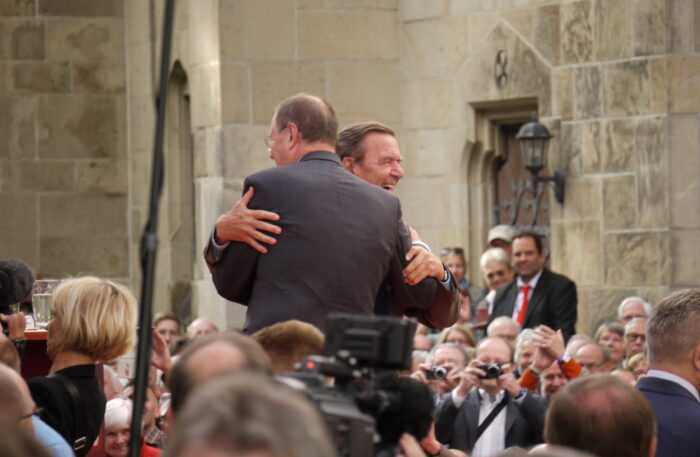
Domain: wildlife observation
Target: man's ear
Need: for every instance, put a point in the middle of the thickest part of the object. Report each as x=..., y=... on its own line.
x=695, y=358
x=293, y=134
x=347, y=163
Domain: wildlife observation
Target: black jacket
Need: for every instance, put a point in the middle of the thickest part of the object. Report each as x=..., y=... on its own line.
x=69, y=420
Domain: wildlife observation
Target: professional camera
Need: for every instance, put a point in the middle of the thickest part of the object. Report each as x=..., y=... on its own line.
x=492, y=370
x=367, y=411
x=436, y=372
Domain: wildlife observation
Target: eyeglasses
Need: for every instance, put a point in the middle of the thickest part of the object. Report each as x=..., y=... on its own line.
x=635, y=336
x=269, y=140
x=499, y=273
x=457, y=250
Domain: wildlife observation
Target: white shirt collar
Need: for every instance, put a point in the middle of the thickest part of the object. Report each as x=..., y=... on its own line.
x=675, y=378
x=487, y=397
x=532, y=283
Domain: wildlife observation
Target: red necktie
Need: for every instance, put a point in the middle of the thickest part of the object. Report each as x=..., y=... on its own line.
x=523, y=307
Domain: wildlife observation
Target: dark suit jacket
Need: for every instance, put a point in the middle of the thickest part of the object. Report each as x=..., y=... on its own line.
x=677, y=415
x=341, y=237
x=553, y=303
x=457, y=426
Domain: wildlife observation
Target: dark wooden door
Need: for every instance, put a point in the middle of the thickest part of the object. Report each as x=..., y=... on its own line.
x=518, y=202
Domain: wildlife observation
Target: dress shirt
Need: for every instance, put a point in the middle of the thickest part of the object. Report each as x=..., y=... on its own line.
x=493, y=440
x=519, y=298
x=675, y=378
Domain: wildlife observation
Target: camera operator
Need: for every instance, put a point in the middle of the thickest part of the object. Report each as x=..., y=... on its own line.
x=442, y=371
x=488, y=411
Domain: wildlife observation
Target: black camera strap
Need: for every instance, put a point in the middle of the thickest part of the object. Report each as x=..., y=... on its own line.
x=72, y=389
x=492, y=415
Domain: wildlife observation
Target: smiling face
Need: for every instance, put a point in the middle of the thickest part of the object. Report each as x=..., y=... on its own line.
x=117, y=441
x=497, y=274
x=381, y=164
x=526, y=259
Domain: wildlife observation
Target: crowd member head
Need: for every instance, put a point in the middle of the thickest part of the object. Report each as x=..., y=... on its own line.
x=252, y=416
x=638, y=365
x=454, y=260
x=214, y=355
x=552, y=380
x=16, y=401
x=370, y=151
x=301, y=124
x=16, y=442
x=603, y=415
x=593, y=358
x=459, y=335
x=524, y=349
x=673, y=381
x=288, y=343
x=93, y=318
x=493, y=350
x=504, y=327
x=200, y=327
x=454, y=359
x=117, y=425
x=624, y=374
x=528, y=255
x=576, y=341
x=635, y=336
x=612, y=336
x=632, y=307
x=496, y=268
x=168, y=325
x=422, y=343
x=501, y=236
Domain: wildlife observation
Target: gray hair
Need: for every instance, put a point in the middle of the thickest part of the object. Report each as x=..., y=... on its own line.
x=672, y=329
x=525, y=337
x=614, y=327
x=495, y=255
x=247, y=412
x=647, y=306
x=117, y=413
x=460, y=349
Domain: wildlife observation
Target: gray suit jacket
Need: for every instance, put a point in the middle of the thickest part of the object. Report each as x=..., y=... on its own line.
x=457, y=426
x=341, y=237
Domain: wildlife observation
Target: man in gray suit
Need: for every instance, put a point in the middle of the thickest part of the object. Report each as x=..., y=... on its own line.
x=338, y=236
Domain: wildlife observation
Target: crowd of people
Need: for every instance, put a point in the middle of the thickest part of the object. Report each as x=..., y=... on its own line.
x=497, y=366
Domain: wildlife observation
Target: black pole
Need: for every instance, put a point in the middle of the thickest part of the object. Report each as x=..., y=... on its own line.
x=149, y=242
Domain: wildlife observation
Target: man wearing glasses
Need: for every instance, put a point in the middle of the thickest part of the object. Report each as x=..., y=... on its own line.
x=337, y=237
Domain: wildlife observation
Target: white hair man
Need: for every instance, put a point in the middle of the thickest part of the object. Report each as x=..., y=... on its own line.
x=632, y=307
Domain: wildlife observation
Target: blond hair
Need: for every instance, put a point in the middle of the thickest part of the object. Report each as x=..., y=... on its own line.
x=98, y=317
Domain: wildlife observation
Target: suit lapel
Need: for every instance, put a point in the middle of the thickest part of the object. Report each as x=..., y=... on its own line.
x=472, y=415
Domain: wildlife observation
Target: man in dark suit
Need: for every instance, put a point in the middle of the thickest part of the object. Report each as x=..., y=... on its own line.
x=673, y=381
x=537, y=296
x=338, y=236
x=516, y=416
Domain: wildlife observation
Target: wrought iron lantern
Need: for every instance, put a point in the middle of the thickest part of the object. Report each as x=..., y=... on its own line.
x=534, y=143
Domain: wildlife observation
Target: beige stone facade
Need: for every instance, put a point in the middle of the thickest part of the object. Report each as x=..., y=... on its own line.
x=617, y=83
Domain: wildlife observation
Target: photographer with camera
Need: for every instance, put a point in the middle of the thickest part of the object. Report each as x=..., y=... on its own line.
x=442, y=371
x=488, y=411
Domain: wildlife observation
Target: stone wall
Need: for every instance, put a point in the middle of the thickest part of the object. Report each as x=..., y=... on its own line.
x=63, y=162
x=616, y=82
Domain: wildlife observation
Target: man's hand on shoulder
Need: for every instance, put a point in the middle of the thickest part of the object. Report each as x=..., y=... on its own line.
x=422, y=264
x=246, y=225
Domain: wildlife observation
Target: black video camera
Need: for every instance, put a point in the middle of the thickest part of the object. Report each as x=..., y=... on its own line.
x=357, y=346
x=492, y=370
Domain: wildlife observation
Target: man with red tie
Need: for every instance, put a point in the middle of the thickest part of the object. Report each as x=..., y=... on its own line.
x=536, y=296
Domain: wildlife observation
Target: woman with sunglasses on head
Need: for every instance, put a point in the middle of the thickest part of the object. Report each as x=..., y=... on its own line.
x=94, y=320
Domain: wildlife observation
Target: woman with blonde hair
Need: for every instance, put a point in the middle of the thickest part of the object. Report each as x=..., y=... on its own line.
x=94, y=320
x=458, y=334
